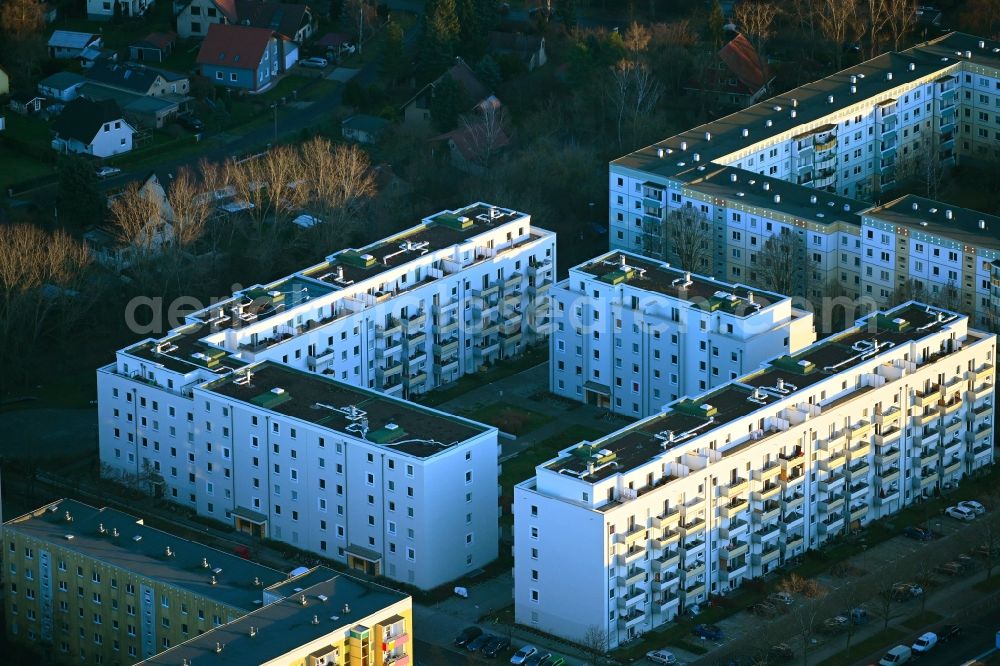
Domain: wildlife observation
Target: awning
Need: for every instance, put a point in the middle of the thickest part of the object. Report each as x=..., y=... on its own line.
x=597, y=388
x=364, y=553
x=250, y=516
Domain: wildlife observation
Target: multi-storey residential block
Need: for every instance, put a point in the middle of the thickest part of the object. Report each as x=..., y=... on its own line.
x=633, y=334
x=808, y=162
x=321, y=618
x=190, y=416
x=625, y=532
x=381, y=484
x=99, y=586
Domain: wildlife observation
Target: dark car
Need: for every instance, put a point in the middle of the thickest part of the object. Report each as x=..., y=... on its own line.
x=948, y=632
x=918, y=533
x=191, y=123
x=780, y=653
x=497, y=645
x=479, y=642
x=538, y=659
x=468, y=635
x=708, y=631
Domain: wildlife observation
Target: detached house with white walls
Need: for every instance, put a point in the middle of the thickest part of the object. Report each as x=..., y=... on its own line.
x=92, y=128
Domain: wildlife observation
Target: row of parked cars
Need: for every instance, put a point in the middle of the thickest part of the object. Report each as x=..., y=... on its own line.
x=475, y=639
x=923, y=644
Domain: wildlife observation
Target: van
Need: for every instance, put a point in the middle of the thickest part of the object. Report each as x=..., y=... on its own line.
x=896, y=656
x=925, y=642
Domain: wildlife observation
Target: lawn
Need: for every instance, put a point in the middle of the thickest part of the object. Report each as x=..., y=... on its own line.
x=29, y=129
x=883, y=639
x=508, y=418
x=921, y=620
x=528, y=359
x=16, y=168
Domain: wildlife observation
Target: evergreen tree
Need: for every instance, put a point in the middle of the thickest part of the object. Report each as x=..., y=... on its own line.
x=566, y=12
x=79, y=199
x=447, y=104
x=716, y=24
x=440, y=37
x=488, y=71
x=394, y=62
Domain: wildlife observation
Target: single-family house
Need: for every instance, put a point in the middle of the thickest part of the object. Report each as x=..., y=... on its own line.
x=474, y=146
x=69, y=44
x=156, y=236
x=154, y=47
x=528, y=49
x=93, y=55
x=241, y=57
x=27, y=104
x=363, y=128
x=92, y=128
x=4, y=82
x=417, y=110
x=738, y=77
x=61, y=86
x=139, y=79
x=104, y=10
x=293, y=22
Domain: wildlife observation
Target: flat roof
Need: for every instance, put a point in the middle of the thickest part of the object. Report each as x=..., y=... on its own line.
x=183, y=351
x=436, y=232
x=707, y=293
x=637, y=444
x=286, y=625
x=142, y=550
x=932, y=217
x=810, y=103
x=262, y=302
x=393, y=423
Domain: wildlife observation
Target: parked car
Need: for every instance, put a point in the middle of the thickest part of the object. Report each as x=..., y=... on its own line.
x=496, y=646
x=960, y=513
x=708, y=631
x=661, y=657
x=314, y=63
x=948, y=632
x=108, y=171
x=857, y=615
x=906, y=591
x=949, y=569
x=924, y=643
x=479, y=642
x=555, y=660
x=918, y=533
x=190, y=123
x=973, y=506
x=521, y=655
x=538, y=659
x=779, y=653
x=764, y=609
x=780, y=598
x=896, y=656
x=467, y=635
x=835, y=624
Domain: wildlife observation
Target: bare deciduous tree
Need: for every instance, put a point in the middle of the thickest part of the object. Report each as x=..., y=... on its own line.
x=689, y=239
x=486, y=134
x=781, y=264
x=634, y=93
x=755, y=19
x=901, y=16
x=191, y=205
x=137, y=218
x=341, y=182
x=637, y=39
x=595, y=642
x=837, y=21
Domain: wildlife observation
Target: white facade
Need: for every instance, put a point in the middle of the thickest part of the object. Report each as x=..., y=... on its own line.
x=632, y=334
x=112, y=138
x=625, y=532
x=401, y=316
x=831, y=146
x=104, y=10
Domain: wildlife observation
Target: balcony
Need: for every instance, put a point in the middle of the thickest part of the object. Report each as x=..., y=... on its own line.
x=692, y=527
x=982, y=373
x=889, y=475
x=887, y=436
x=631, y=555
x=667, y=520
x=391, y=369
x=982, y=411
x=859, y=512
x=667, y=562
x=415, y=340
x=415, y=381
x=792, y=543
x=486, y=292
x=929, y=437
x=792, y=502
x=831, y=505
x=792, y=520
x=860, y=451
x=446, y=347
x=792, y=460
x=631, y=599
x=734, y=489
x=889, y=417
x=952, y=427
x=887, y=456
x=446, y=307
x=733, y=508
x=927, y=479
x=770, y=471
x=388, y=347
x=769, y=531
x=859, y=430
x=926, y=418
x=668, y=604
x=632, y=577
x=540, y=289
x=445, y=328
x=666, y=539
x=793, y=479
x=732, y=551
x=691, y=547
x=982, y=432
x=637, y=533
x=859, y=470
x=928, y=397
x=952, y=447
x=979, y=453
x=767, y=492
x=769, y=511
x=859, y=490
x=952, y=466
x=887, y=496
x=734, y=529
x=949, y=406
x=981, y=391
x=769, y=555
x=632, y=618
x=488, y=328
x=928, y=457
x=832, y=524
x=692, y=593
x=835, y=461
x=391, y=327
x=692, y=570
x=831, y=483
x=415, y=322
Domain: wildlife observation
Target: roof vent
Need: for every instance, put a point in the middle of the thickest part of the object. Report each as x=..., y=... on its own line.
x=847, y=208
x=795, y=102
x=137, y=538
x=218, y=647
x=684, y=145
x=214, y=581
x=829, y=99
x=256, y=581
x=915, y=206
x=708, y=136
x=697, y=157
x=777, y=107
x=912, y=66
x=854, y=79
x=302, y=599
x=923, y=223
x=346, y=609
x=777, y=198
x=767, y=186
x=322, y=597
x=888, y=76
x=854, y=90
x=114, y=532
x=812, y=198
x=769, y=123
x=982, y=44
x=217, y=571
x=932, y=210
x=733, y=177
x=253, y=631
x=69, y=537
x=204, y=563
x=746, y=132
x=948, y=214
x=660, y=153
x=315, y=619
x=794, y=113
x=968, y=54
x=391, y=426
x=101, y=529
x=741, y=194
x=277, y=390
x=69, y=517
x=168, y=552
x=982, y=224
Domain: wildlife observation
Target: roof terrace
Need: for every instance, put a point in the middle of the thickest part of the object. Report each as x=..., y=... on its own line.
x=395, y=424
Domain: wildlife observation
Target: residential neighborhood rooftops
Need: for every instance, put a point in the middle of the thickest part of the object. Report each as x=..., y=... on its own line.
x=83, y=118
x=921, y=215
x=782, y=378
x=122, y=540
x=334, y=603
x=393, y=423
x=619, y=267
x=61, y=80
x=742, y=59
x=131, y=77
x=365, y=123
x=283, y=18
x=159, y=40
x=68, y=39
x=236, y=46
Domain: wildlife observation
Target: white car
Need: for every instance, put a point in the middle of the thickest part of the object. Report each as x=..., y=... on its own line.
x=924, y=643
x=960, y=513
x=108, y=171
x=973, y=506
x=522, y=655
x=780, y=598
x=315, y=63
x=662, y=657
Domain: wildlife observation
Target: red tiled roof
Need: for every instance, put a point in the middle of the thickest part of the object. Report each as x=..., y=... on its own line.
x=742, y=59
x=236, y=46
x=228, y=7
x=161, y=40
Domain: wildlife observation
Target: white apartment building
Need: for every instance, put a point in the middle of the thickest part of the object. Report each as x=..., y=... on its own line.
x=808, y=161
x=401, y=316
x=633, y=334
x=625, y=532
x=384, y=485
